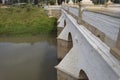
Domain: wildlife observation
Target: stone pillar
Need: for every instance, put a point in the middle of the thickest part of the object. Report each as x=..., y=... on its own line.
x=75, y=2
x=56, y=2
x=80, y=13
x=50, y=13
x=108, y=3
x=3, y=1
x=65, y=2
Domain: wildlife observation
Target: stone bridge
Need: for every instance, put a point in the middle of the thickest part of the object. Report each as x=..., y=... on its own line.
x=89, y=43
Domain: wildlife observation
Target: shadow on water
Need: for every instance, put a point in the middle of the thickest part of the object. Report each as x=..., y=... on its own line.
x=28, y=58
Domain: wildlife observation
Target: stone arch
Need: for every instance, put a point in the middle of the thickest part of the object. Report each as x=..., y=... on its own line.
x=64, y=22
x=70, y=42
x=83, y=75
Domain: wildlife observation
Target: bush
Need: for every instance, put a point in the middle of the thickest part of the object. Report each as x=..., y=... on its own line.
x=52, y=2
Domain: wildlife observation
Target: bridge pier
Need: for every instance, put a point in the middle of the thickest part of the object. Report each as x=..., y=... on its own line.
x=61, y=75
x=59, y=30
x=64, y=46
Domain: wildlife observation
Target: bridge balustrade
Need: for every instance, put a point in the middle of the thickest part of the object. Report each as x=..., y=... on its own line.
x=72, y=10
x=102, y=22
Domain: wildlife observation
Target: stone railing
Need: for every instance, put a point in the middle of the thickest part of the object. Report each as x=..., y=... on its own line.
x=107, y=25
x=102, y=22
x=72, y=10
x=52, y=7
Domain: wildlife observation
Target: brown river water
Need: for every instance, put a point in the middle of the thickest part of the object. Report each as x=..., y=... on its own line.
x=28, y=58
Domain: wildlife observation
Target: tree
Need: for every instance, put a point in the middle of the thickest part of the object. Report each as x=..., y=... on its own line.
x=35, y=2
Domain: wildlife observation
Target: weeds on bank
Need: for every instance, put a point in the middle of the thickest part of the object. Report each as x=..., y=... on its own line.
x=26, y=21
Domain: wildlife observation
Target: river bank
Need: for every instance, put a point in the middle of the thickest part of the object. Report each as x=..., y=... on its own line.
x=28, y=21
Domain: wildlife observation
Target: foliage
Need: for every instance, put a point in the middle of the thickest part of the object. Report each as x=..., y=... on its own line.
x=20, y=21
x=104, y=1
x=52, y=2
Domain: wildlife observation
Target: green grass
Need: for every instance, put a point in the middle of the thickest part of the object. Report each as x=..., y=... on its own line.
x=26, y=21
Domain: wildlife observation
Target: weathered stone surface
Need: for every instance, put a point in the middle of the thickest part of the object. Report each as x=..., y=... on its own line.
x=103, y=22
x=59, y=29
x=118, y=41
x=62, y=48
x=115, y=52
x=94, y=30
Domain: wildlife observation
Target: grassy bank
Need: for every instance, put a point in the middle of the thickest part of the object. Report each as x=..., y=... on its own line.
x=26, y=21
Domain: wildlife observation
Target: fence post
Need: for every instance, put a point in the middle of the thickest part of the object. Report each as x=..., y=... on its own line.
x=80, y=13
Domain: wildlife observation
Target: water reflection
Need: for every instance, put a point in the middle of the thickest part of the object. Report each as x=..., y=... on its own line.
x=28, y=60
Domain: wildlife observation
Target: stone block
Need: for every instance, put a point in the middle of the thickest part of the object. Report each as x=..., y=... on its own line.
x=118, y=41
x=100, y=34
x=111, y=43
x=94, y=30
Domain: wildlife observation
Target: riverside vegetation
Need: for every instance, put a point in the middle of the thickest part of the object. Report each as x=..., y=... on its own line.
x=16, y=21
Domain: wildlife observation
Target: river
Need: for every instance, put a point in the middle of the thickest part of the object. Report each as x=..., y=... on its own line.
x=28, y=58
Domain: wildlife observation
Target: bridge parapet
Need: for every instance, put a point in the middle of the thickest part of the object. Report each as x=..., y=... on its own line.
x=102, y=22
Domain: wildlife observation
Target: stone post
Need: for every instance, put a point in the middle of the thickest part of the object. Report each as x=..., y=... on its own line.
x=65, y=2
x=118, y=41
x=75, y=2
x=56, y=2
x=108, y=3
x=3, y=1
x=80, y=13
